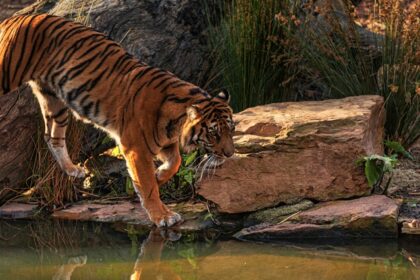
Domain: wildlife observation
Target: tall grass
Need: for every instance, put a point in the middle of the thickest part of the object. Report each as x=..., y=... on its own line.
x=330, y=43
x=50, y=186
x=242, y=51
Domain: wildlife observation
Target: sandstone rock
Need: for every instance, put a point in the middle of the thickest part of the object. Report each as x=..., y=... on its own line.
x=16, y=210
x=291, y=151
x=18, y=127
x=119, y=212
x=367, y=217
x=411, y=227
x=194, y=214
x=167, y=34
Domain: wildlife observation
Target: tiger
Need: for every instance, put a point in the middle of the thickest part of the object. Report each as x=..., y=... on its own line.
x=148, y=111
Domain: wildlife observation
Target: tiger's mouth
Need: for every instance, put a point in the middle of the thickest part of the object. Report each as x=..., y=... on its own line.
x=218, y=161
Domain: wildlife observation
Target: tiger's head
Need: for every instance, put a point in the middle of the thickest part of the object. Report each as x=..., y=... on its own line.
x=209, y=125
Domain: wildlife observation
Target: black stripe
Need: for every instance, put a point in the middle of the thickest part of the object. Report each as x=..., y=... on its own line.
x=147, y=144
x=87, y=86
x=156, y=78
x=70, y=33
x=133, y=99
x=7, y=67
x=96, y=112
x=53, y=43
x=180, y=84
x=62, y=122
x=163, y=81
x=105, y=54
x=178, y=100
x=59, y=113
x=115, y=66
x=76, y=71
x=86, y=109
x=156, y=138
x=23, y=50
x=201, y=101
x=41, y=57
x=89, y=50
x=68, y=54
x=158, y=70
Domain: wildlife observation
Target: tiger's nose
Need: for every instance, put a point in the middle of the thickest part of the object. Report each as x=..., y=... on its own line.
x=228, y=153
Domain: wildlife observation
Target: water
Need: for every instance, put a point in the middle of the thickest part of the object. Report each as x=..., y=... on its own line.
x=65, y=250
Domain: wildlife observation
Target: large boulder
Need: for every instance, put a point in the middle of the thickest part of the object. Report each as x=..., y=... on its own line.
x=163, y=33
x=18, y=130
x=286, y=152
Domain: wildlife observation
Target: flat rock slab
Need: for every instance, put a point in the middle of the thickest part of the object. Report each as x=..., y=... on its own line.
x=368, y=217
x=411, y=227
x=133, y=213
x=16, y=210
x=286, y=152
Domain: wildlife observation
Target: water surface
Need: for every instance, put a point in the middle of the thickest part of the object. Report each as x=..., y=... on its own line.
x=68, y=250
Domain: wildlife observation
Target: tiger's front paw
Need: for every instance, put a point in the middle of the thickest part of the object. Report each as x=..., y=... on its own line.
x=167, y=220
x=75, y=171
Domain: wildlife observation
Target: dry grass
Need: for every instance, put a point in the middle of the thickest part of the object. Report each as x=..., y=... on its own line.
x=50, y=186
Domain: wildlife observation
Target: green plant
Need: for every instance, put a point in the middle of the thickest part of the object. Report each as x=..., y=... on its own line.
x=376, y=166
x=349, y=60
x=180, y=187
x=242, y=48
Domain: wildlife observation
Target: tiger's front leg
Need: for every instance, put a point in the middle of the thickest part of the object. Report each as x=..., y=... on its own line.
x=171, y=159
x=141, y=167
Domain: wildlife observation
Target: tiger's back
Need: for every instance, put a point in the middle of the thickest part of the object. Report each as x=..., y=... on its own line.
x=148, y=111
x=79, y=65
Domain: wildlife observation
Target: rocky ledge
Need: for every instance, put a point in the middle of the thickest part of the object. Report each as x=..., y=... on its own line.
x=368, y=217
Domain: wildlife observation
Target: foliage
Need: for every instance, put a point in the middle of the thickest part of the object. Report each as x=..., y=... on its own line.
x=350, y=60
x=180, y=187
x=376, y=165
x=243, y=53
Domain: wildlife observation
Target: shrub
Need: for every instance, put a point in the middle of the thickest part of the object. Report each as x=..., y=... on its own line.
x=350, y=60
x=242, y=47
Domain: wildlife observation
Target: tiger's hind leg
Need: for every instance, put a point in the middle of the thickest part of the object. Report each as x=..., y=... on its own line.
x=56, y=118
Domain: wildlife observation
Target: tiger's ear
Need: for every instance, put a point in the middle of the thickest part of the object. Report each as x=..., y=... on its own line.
x=224, y=96
x=193, y=113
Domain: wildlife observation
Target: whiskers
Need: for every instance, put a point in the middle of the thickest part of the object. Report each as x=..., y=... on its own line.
x=207, y=166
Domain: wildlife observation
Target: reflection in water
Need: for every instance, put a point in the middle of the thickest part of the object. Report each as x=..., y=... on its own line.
x=57, y=250
x=66, y=270
x=148, y=264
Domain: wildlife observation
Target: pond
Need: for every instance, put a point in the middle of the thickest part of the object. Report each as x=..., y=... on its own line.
x=68, y=250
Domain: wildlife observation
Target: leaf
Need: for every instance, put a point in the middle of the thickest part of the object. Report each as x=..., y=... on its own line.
x=398, y=148
x=388, y=162
x=190, y=158
x=116, y=152
x=106, y=140
x=129, y=188
x=189, y=177
x=372, y=172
